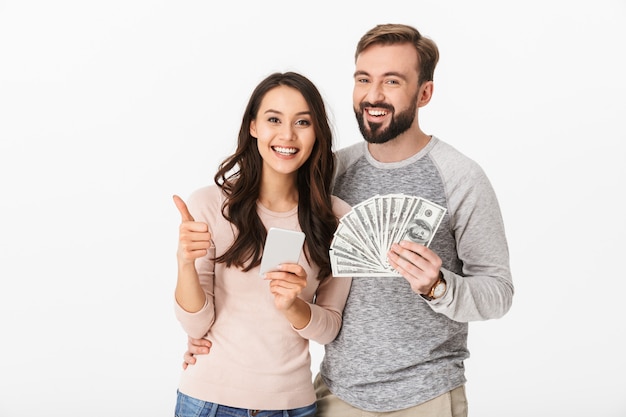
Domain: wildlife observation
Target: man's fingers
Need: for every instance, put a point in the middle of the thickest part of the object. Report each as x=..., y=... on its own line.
x=182, y=209
x=197, y=347
x=188, y=360
x=424, y=253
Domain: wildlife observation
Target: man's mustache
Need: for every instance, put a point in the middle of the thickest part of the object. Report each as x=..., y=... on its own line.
x=385, y=106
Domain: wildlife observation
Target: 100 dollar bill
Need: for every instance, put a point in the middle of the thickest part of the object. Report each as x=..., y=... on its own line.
x=366, y=233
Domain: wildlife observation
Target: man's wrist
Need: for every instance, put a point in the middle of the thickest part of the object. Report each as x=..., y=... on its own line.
x=437, y=290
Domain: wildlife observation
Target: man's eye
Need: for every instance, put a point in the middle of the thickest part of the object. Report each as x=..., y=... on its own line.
x=394, y=82
x=362, y=80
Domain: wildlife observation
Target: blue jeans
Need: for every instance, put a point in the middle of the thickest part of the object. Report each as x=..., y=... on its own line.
x=187, y=406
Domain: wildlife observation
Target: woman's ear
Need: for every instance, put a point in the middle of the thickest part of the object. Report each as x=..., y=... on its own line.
x=253, y=129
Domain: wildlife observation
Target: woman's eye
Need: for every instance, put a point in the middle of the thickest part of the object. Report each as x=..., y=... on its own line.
x=273, y=120
x=303, y=123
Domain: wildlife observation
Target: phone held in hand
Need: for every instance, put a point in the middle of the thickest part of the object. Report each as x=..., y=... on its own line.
x=281, y=246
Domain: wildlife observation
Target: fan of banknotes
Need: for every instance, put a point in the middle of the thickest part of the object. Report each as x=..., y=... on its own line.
x=365, y=234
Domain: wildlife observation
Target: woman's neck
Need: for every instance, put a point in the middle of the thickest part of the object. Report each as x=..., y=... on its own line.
x=279, y=196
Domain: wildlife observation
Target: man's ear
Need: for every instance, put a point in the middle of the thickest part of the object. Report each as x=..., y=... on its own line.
x=425, y=93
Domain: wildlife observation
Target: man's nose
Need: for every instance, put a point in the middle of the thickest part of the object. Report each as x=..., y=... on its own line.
x=375, y=93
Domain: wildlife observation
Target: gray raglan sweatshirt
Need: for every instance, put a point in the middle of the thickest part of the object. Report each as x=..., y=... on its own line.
x=395, y=349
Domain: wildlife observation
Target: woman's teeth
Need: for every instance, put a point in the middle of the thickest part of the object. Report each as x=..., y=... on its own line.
x=285, y=151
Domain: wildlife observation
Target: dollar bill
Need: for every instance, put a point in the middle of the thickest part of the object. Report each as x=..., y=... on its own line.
x=422, y=222
x=366, y=233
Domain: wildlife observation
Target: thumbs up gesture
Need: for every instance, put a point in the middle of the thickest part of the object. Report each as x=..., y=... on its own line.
x=194, y=238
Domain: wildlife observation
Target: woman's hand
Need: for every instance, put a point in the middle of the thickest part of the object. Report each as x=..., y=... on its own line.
x=194, y=238
x=194, y=241
x=286, y=285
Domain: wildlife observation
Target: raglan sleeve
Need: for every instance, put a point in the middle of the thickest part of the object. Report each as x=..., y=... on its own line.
x=484, y=290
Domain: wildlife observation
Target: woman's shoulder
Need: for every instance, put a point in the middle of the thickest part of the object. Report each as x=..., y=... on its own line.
x=340, y=207
x=207, y=192
x=205, y=200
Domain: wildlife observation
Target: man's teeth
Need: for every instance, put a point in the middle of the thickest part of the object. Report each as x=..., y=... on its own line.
x=286, y=151
x=376, y=112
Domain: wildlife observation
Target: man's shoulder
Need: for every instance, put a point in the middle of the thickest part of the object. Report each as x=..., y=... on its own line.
x=348, y=155
x=446, y=155
x=353, y=151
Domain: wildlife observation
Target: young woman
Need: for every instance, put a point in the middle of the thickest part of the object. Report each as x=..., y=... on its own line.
x=259, y=327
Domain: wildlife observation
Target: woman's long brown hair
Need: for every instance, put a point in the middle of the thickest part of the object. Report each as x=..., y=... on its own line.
x=239, y=176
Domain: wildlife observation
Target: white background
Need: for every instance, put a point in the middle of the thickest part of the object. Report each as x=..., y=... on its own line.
x=109, y=108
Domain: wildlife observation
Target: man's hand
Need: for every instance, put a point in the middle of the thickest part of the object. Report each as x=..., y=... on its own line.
x=195, y=347
x=419, y=265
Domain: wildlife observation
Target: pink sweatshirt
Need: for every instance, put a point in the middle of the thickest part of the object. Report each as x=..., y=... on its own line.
x=257, y=360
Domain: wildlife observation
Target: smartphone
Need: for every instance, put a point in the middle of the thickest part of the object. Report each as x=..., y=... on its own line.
x=281, y=246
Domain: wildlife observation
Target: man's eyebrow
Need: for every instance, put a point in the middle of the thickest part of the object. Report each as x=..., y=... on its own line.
x=387, y=74
x=395, y=74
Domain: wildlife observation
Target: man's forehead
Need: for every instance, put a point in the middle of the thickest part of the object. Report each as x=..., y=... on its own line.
x=378, y=60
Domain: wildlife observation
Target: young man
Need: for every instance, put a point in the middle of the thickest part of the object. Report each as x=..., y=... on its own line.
x=402, y=345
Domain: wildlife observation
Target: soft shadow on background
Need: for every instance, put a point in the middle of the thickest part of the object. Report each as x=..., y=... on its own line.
x=109, y=108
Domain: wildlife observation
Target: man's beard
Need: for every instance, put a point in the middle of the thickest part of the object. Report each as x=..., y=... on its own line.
x=400, y=122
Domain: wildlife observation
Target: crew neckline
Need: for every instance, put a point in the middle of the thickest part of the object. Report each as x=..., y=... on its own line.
x=272, y=213
x=399, y=164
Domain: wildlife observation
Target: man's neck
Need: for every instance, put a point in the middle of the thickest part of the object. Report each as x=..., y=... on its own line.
x=399, y=148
